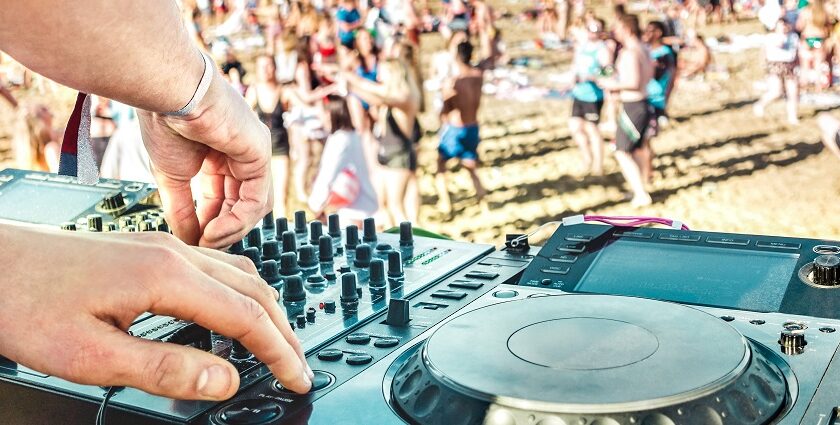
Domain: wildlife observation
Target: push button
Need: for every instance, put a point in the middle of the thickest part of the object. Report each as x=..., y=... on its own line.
x=476, y=274
x=571, y=247
x=555, y=270
x=634, y=234
x=565, y=258
x=251, y=412
x=357, y=339
x=679, y=237
x=778, y=245
x=449, y=295
x=579, y=238
x=320, y=381
x=359, y=359
x=727, y=241
x=465, y=285
x=330, y=355
x=386, y=342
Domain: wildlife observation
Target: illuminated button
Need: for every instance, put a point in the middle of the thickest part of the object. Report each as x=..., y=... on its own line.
x=566, y=258
x=359, y=359
x=778, y=245
x=727, y=241
x=251, y=412
x=330, y=355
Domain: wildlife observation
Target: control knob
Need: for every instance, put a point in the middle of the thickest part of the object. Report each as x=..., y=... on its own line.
x=293, y=289
x=827, y=270
x=281, y=225
x=406, y=237
x=94, y=223
x=113, y=202
x=325, y=249
x=352, y=236
x=255, y=238
x=792, y=338
x=270, y=272
x=349, y=295
x=289, y=241
x=288, y=264
x=271, y=250
x=253, y=254
x=307, y=258
x=362, y=256
x=333, y=226
x=316, y=229
x=369, y=230
x=377, y=274
x=300, y=222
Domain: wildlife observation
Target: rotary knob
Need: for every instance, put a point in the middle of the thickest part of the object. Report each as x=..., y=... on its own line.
x=113, y=202
x=827, y=270
x=792, y=338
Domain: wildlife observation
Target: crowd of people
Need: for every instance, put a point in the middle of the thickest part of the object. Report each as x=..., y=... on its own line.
x=339, y=85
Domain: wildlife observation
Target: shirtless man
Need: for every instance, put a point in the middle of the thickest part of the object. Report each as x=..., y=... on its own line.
x=634, y=69
x=459, y=115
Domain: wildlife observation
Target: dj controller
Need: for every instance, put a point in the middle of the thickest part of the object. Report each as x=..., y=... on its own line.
x=602, y=325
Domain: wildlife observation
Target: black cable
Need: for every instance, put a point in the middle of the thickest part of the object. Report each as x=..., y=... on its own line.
x=103, y=407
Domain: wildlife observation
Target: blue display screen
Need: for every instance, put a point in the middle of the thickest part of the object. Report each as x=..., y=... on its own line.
x=723, y=277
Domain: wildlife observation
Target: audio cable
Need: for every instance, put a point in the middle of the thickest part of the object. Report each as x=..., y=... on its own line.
x=103, y=407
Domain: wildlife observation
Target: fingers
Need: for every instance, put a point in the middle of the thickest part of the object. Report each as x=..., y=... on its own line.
x=169, y=370
x=252, y=202
x=178, y=206
x=200, y=298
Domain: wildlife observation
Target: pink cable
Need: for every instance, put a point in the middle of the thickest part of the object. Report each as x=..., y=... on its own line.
x=631, y=221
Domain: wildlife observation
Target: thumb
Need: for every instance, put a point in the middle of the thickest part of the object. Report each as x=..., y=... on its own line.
x=165, y=369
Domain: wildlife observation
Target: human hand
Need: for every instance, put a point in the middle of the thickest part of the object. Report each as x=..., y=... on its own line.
x=224, y=143
x=98, y=284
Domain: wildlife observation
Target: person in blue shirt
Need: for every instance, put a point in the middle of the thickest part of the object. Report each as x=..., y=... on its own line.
x=349, y=19
x=590, y=59
x=659, y=87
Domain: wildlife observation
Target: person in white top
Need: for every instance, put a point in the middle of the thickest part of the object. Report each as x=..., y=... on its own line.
x=343, y=182
x=781, y=54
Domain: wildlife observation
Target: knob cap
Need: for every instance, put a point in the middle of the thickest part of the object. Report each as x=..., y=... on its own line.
x=147, y=225
x=316, y=281
x=310, y=315
x=300, y=222
x=329, y=307
x=271, y=250
x=255, y=238
x=268, y=221
x=406, y=237
x=68, y=225
x=398, y=312
x=827, y=270
x=352, y=237
x=307, y=256
x=238, y=247
x=161, y=225
x=289, y=241
x=377, y=273
x=369, y=229
x=293, y=289
x=281, y=225
x=253, y=254
x=325, y=249
x=289, y=264
x=333, y=226
x=348, y=288
x=395, y=268
x=300, y=320
x=113, y=201
x=316, y=229
x=270, y=272
x=239, y=352
x=362, y=256
x=792, y=338
x=94, y=222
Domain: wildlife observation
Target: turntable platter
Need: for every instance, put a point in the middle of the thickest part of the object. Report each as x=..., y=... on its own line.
x=590, y=356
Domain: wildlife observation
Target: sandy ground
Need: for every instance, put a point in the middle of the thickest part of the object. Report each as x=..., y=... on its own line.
x=717, y=167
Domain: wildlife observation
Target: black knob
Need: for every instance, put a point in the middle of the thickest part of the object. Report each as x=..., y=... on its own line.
x=395, y=264
x=268, y=221
x=300, y=222
x=352, y=237
x=310, y=315
x=253, y=254
x=377, y=273
x=68, y=225
x=129, y=229
x=94, y=222
x=369, y=229
x=827, y=270
x=398, y=312
x=125, y=221
x=316, y=281
x=113, y=201
x=293, y=289
x=147, y=225
x=238, y=247
x=792, y=338
x=239, y=352
x=289, y=264
x=329, y=307
x=161, y=225
x=316, y=229
x=333, y=226
x=325, y=249
x=271, y=250
x=270, y=272
x=362, y=256
x=383, y=249
x=281, y=225
x=348, y=289
x=111, y=227
x=300, y=320
x=406, y=237
x=255, y=238
x=307, y=256
x=289, y=241
x=330, y=276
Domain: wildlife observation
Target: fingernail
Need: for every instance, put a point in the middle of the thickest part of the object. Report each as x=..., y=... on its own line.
x=213, y=382
x=309, y=372
x=306, y=379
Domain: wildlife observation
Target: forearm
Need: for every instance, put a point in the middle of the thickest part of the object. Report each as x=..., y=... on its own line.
x=137, y=52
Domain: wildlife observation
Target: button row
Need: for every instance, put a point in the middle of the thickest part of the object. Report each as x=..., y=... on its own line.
x=717, y=240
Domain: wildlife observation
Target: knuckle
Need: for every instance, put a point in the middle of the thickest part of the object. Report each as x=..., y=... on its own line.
x=245, y=264
x=253, y=310
x=162, y=372
x=87, y=362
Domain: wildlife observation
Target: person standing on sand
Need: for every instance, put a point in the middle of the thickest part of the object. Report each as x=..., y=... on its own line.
x=459, y=133
x=634, y=69
x=591, y=57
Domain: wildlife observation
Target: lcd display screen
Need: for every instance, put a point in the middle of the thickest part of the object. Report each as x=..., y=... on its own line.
x=46, y=202
x=723, y=277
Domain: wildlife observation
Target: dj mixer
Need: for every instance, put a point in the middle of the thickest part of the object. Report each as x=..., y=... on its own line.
x=602, y=325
